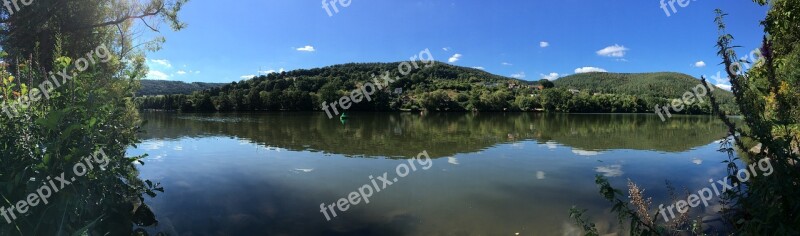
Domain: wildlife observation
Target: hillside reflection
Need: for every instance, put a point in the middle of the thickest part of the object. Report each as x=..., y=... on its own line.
x=405, y=134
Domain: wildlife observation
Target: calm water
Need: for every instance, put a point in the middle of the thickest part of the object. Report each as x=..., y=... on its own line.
x=491, y=174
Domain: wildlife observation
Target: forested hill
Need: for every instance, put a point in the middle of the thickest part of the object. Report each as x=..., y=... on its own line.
x=360, y=71
x=440, y=87
x=662, y=84
x=164, y=87
x=668, y=85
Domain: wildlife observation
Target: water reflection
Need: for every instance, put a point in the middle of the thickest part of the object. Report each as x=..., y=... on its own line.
x=496, y=173
x=403, y=134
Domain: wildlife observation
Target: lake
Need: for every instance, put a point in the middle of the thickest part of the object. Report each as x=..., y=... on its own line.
x=490, y=174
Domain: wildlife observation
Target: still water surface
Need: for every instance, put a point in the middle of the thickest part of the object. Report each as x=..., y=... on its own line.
x=492, y=173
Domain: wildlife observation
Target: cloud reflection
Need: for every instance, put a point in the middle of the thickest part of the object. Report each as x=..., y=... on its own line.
x=540, y=175
x=452, y=160
x=610, y=171
x=585, y=153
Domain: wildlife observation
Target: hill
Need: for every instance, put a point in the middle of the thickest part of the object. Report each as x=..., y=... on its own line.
x=164, y=87
x=659, y=87
x=663, y=84
x=440, y=87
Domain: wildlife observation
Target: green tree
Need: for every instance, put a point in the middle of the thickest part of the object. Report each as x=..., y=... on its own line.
x=546, y=83
x=93, y=110
x=555, y=100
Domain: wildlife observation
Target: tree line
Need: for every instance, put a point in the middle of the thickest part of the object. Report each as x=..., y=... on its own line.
x=441, y=87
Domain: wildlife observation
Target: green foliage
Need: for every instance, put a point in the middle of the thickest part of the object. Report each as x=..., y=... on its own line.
x=589, y=229
x=634, y=210
x=768, y=98
x=90, y=111
x=50, y=136
x=546, y=83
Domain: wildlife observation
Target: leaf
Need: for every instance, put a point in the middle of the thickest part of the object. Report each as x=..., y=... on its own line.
x=150, y=193
x=46, y=159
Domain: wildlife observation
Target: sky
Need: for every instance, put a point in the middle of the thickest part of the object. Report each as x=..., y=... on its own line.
x=229, y=41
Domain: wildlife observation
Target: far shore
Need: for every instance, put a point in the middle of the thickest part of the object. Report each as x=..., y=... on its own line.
x=424, y=111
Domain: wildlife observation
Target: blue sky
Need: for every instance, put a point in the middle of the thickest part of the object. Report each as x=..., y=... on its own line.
x=229, y=40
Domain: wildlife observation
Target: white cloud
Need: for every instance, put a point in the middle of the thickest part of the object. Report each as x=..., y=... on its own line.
x=718, y=79
x=181, y=72
x=266, y=72
x=610, y=171
x=164, y=63
x=540, y=175
x=724, y=86
x=157, y=75
x=551, y=76
x=700, y=64
x=454, y=58
x=544, y=44
x=307, y=48
x=613, y=51
x=479, y=68
x=506, y=64
x=247, y=76
x=721, y=82
x=520, y=75
x=589, y=69
x=446, y=49
x=697, y=161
